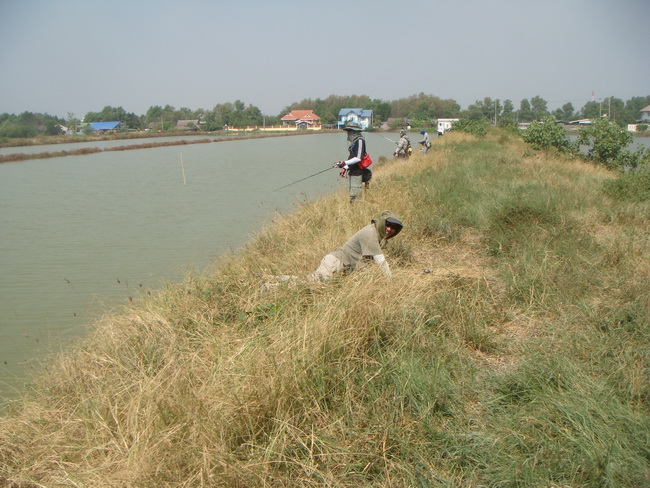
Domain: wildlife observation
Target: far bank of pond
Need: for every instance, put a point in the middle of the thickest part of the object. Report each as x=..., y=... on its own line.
x=44, y=151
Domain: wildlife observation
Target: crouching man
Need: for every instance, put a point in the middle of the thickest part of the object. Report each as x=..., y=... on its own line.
x=367, y=243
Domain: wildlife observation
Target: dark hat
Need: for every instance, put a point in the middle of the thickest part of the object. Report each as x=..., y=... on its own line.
x=387, y=219
x=353, y=126
x=392, y=222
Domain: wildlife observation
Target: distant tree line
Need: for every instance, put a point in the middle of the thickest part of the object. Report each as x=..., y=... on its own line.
x=535, y=109
x=29, y=124
x=420, y=110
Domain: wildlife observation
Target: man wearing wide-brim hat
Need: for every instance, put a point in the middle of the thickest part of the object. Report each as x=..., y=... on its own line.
x=350, y=166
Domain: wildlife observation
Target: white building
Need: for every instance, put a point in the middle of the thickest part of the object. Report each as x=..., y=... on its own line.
x=444, y=125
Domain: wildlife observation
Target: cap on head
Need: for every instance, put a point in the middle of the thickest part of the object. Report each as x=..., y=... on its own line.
x=387, y=219
x=352, y=126
x=422, y=131
x=402, y=132
x=394, y=224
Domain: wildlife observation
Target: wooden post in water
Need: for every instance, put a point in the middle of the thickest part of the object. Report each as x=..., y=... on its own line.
x=183, y=169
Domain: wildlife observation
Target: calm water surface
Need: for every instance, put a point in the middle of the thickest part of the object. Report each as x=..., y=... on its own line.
x=637, y=142
x=80, y=234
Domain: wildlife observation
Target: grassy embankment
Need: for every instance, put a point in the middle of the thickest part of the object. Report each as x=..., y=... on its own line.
x=521, y=359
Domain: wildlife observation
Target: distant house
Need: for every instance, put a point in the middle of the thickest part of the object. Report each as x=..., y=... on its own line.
x=355, y=115
x=187, y=124
x=445, y=125
x=645, y=114
x=302, y=119
x=102, y=127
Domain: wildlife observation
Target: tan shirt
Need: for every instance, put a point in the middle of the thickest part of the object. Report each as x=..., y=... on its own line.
x=363, y=243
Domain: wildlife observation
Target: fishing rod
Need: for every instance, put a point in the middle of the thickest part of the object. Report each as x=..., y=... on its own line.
x=302, y=179
x=388, y=139
x=394, y=142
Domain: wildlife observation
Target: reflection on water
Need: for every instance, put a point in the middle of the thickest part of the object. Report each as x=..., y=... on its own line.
x=82, y=234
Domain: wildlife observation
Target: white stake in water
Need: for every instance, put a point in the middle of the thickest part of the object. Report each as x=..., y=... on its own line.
x=183, y=169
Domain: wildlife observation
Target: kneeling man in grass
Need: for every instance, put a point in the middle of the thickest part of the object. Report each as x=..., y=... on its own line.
x=366, y=245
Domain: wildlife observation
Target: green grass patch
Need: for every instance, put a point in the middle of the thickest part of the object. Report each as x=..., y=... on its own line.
x=633, y=186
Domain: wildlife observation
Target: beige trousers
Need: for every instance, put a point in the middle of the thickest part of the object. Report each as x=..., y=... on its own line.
x=329, y=265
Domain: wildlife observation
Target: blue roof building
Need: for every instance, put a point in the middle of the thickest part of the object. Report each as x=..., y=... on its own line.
x=356, y=115
x=105, y=126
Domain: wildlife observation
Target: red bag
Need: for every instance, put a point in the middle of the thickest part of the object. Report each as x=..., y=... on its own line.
x=365, y=162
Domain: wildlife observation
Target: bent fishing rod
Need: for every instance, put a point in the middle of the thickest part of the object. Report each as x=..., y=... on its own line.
x=302, y=179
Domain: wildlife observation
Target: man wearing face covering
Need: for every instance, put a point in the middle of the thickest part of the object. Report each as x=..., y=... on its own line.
x=350, y=166
x=367, y=244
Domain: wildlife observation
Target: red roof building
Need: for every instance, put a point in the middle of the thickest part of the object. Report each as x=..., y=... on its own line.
x=305, y=118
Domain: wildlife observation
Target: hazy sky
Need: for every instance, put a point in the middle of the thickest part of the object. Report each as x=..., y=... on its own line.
x=74, y=56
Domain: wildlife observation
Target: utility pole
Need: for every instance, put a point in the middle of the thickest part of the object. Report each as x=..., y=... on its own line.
x=609, y=107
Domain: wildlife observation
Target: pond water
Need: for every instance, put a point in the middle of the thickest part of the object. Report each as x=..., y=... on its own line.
x=81, y=234
x=638, y=142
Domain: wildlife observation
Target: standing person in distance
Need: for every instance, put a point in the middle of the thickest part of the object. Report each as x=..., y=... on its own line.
x=357, y=151
x=425, y=142
x=403, y=150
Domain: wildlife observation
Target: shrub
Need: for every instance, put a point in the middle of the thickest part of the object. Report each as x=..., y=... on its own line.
x=474, y=127
x=508, y=124
x=12, y=130
x=605, y=142
x=548, y=134
x=631, y=160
